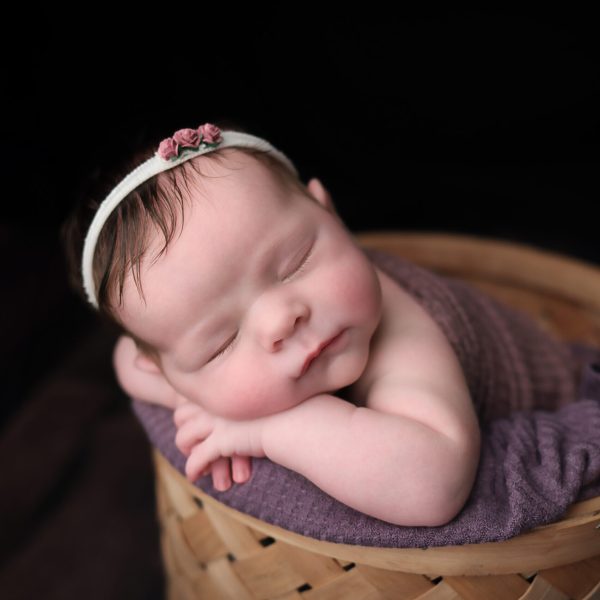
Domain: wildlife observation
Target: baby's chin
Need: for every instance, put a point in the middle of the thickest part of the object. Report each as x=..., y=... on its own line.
x=344, y=380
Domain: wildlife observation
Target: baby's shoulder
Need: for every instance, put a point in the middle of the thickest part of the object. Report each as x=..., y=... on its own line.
x=411, y=359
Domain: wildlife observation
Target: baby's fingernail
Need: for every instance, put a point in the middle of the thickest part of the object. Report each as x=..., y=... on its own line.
x=224, y=484
x=241, y=474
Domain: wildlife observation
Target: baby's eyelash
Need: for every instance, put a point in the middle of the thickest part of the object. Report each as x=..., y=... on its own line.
x=302, y=265
x=225, y=348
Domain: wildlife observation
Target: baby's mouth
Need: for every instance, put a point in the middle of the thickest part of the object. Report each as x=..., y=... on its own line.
x=315, y=354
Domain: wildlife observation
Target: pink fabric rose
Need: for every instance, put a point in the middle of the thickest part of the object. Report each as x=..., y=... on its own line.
x=187, y=138
x=168, y=148
x=210, y=133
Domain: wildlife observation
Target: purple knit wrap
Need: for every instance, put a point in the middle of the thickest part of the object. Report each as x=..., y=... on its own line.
x=538, y=401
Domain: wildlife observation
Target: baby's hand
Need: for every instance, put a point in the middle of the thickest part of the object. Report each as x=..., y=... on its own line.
x=210, y=441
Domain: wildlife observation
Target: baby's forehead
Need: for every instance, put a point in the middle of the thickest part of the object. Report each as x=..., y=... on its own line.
x=224, y=238
x=210, y=186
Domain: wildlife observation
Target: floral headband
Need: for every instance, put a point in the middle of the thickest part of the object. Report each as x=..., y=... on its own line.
x=172, y=151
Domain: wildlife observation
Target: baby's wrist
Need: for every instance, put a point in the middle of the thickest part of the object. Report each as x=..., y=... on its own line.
x=281, y=428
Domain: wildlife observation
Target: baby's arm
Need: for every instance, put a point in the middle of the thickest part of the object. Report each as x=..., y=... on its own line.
x=390, y=466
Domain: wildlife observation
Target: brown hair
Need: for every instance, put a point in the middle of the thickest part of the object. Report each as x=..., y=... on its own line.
x=125, y=236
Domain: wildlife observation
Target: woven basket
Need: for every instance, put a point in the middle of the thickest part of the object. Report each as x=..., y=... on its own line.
x=212, y=551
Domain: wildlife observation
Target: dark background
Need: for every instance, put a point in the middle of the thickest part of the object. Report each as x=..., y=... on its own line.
x=475, y=122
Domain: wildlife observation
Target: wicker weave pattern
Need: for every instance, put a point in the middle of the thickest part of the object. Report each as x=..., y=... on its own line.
x=209, y=555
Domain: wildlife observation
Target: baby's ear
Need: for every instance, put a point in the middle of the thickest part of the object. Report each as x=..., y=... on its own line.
x=140, y=377
x=318, y=191
x=144, y=363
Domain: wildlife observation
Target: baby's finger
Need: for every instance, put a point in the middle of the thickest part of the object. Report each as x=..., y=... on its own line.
x=241, y=467
x=206, y=471
x=221, y=475
x=191, y=433
x=200, y=458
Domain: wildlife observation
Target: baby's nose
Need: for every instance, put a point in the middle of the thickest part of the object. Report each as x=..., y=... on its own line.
x=283, y=324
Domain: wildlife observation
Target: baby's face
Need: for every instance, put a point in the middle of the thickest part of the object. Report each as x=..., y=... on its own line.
x=259, y=279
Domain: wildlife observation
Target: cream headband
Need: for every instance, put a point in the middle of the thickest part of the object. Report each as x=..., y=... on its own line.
x=184, y=145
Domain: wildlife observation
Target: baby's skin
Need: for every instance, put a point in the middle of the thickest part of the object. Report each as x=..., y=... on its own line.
x=240, y=307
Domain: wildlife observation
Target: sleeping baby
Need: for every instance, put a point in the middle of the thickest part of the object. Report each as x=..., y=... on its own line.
x=249, y=309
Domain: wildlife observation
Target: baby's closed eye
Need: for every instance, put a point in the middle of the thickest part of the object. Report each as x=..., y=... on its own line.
x=228, y=346
x=302, y=265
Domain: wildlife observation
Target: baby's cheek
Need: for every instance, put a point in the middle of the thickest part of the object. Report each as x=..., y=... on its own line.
x=252, y=396
x=358, y=287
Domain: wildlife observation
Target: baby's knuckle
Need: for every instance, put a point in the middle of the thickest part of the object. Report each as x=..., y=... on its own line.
x=180, y=415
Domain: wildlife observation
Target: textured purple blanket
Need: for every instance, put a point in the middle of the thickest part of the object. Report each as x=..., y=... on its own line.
x=538, y=400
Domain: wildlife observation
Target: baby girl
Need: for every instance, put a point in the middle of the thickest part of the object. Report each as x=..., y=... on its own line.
x=250, y=310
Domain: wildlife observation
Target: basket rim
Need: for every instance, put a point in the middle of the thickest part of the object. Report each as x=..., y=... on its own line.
x=489, y=258
x=571, y=539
